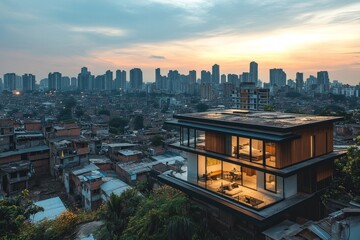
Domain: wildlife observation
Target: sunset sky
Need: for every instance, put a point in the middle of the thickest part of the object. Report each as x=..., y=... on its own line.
x=42, y=36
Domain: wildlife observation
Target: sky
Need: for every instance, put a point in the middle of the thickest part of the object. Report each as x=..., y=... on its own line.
x=42, y=36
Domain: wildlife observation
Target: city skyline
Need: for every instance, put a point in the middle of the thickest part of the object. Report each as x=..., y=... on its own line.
x=40, y=37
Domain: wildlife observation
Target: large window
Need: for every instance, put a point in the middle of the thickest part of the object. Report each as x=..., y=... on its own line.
x=234, y=146
x=192, y=139
x=249, y=177
x=270, y=182
x=238, y=183
x=257, y=153
x=200, y=139
x=184, y=136
x=270, y=152
x=244, y=148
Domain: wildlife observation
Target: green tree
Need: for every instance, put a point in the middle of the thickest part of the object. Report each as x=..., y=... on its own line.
x=138, y=122
x=14, y=213
x=269, y=108
x=119, y=123
x=346, y=182
x=69, y=102
x=202, y=107
x=117, y=212
x=157, y=140
x=79, y=112
x=104, y=112
x=165, y=214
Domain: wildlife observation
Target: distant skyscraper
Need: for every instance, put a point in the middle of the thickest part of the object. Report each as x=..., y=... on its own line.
x=205, y=76
x=84, y=80
x=108, y=80
x=28, y=82
x=173, y=81
x=299, y=82
x=123, y=80
x=223, y=78
x=158, y=78
x=245, y=77
x=65, y=83
x=192, y=76
x=18, y=83
x=253, y=72
x=10, y=81
x=277, y=77
x=54, y=81
x=215, y=75
x=99, y=83
x=73, y=83
x=323, y=81
x=234, y=79
x=136, y=79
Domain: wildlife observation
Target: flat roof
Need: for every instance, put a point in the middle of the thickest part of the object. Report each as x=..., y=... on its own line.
x=115, y=186
x=26, y=150
x=113, y=145
x=85, y=169
x=275, y=120
x=127, y=152
x=53, y=207
x=144, y=166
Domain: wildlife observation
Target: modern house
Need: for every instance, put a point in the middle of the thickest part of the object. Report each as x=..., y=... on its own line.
x=254, y=168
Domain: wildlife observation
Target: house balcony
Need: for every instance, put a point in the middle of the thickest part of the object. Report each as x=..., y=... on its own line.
x=231, y=186
x=261, y=215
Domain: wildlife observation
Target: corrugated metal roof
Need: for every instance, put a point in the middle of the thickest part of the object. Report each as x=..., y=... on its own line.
x=53, y=207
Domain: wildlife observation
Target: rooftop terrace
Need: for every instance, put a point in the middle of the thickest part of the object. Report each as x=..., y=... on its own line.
x=277, y=120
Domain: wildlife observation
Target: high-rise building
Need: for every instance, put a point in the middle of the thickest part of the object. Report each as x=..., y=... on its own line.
x=158, y=78
x=205, y=76
x=245, y=77
x=28, y=82
x=223, y=78
x=323, y=81
x=18, y=83
x=234, y=79
x=99, y=83
x=65, y=83
x=253, y=72
x=120, y=80
x=207, y=91
x=84, y=79
x=108, y=80
x=192, y=76
x=136, y=79
x=299, y=82
x=173, y=81
x=250, y=97
x=73, y=83
x=10, y=81
x=277, y=77
x=54, y=81
x=215, y=75
x=123, y=80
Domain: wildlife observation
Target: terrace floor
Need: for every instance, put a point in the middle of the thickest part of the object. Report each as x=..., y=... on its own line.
x=244, y=195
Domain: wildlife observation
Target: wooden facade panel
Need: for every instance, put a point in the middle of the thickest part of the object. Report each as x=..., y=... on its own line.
x=330, y=138
x=324, y=172
x=289, y=153
x=215, y=142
